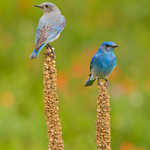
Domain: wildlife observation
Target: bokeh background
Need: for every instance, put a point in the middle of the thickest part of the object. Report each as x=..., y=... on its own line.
x=89, y=23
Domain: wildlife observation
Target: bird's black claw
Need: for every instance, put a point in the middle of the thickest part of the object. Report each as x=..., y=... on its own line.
x=98, y=82
x=51, y=52
x=107, y=83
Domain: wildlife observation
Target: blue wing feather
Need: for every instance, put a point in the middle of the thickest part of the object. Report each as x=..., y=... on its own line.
x=36, y=52
x=92, y=62
x=46, y=34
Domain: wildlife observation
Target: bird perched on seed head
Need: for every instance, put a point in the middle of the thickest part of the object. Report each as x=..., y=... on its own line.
x=50, y=26
x=102, y=63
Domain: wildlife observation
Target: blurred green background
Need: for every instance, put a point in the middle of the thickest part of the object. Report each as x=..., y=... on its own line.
x=89, y=23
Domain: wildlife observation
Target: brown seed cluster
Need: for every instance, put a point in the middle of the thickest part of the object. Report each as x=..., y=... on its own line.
x=103, y=137
x=51, y=103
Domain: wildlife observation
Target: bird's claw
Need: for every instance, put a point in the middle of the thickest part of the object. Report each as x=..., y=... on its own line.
x=107, y=83
x=51, y=53
x=98, y=82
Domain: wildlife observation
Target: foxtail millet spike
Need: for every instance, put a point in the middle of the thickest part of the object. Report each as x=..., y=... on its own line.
x=103, y=135
x=51, y=102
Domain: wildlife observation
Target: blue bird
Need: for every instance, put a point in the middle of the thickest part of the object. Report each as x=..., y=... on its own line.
x=50, y=26
x=102, y=63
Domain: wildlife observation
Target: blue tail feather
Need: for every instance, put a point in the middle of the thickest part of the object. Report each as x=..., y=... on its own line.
x=89, y=82
x=35, y=52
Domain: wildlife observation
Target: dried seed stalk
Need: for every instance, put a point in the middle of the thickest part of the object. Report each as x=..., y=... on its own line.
x=51, y=103
x=103, y=137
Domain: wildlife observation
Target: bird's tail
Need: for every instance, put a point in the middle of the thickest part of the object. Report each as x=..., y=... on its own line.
x=35, y=52
x=90, y=81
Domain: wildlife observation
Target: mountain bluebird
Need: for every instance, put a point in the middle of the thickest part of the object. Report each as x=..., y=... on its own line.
x=50, y=26
x=102, y=63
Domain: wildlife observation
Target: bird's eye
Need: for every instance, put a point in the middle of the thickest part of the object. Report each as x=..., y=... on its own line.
x=107, y=45
x=46, y=6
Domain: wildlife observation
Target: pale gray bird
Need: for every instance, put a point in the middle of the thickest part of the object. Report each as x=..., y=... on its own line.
x=50, y=26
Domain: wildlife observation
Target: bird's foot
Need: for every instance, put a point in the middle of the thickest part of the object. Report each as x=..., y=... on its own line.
x=49, y=46
x=98, y=82
x=51, y=53
x=107, y=83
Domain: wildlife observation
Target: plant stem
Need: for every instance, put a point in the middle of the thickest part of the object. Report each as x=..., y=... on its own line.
x=51, y=102
x=103, y=137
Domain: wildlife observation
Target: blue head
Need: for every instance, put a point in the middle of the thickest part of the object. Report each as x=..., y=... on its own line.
x=108, y=46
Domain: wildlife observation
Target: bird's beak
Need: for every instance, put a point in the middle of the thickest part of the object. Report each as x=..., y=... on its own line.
x=114, y=46
x=38, y=6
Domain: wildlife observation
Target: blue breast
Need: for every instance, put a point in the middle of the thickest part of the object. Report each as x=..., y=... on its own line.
x=104, y=64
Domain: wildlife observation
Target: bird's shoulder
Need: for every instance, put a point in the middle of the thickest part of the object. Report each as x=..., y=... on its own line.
x=51, y=23
x=98, y=55
x=94, y=59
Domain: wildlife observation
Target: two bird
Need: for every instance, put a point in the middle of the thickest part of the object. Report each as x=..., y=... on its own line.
x=50, y=26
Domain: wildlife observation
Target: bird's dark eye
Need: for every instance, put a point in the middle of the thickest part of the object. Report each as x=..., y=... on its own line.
x=107, y=45
x=46, y=6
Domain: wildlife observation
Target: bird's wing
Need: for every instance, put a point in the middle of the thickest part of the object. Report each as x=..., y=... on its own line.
x=47, y=33
x=56, y=29
x=92, y=62
x=59, y=24
x=97, y=60
x=41, y=36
